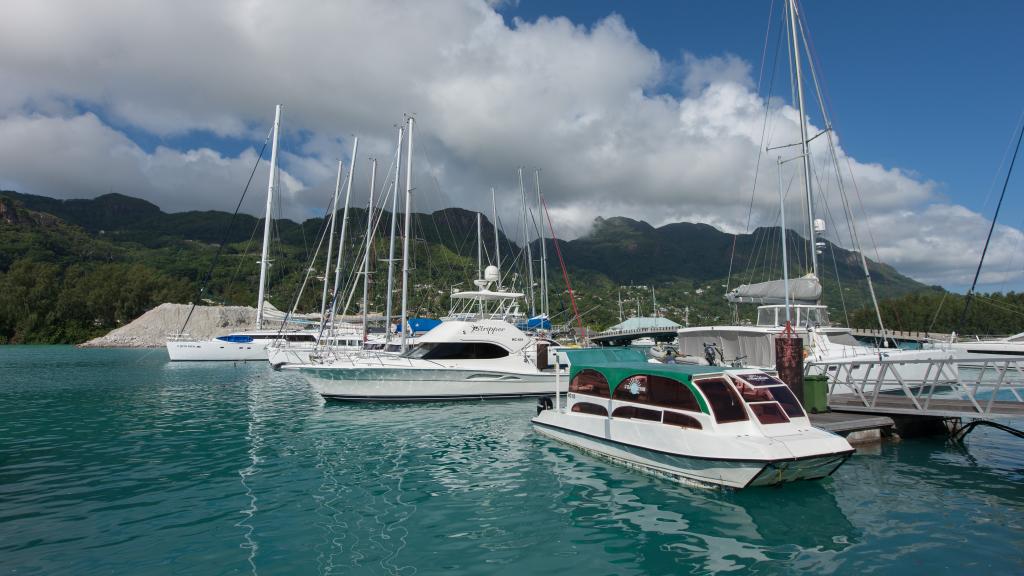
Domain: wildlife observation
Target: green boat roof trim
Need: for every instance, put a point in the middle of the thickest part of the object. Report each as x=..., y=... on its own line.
x=618, y=364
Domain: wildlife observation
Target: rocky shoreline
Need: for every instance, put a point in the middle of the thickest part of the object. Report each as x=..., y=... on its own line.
x=152, y=328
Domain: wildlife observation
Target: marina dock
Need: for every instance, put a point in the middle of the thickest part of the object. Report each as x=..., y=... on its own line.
x=857, y=428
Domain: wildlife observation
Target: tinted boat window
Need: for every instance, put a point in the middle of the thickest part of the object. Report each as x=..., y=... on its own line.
x=769, y=413
x=589, y=382
x=457, y=351
x=657, y=390
x=752, y=394
x=588, y=408
x=681, y=420
x=725, y=403
x=637, y=412
x=784, y=396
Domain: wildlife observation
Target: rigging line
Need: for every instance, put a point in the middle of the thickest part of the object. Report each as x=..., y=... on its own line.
x=565, y=274
x=244, y=254
x=311, y=261
x=220, y=248
x=996, y=304
x=825, y=103
x=832, y=245
x=839, y=283
x=937, y=310
x=992, y=227
x=760, y=147
x=297, y=293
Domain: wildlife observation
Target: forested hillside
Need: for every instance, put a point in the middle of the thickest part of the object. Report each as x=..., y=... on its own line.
x=74, y=269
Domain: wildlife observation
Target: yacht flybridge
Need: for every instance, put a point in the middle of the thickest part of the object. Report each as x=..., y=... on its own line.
x=476, y=353
x=696, y=425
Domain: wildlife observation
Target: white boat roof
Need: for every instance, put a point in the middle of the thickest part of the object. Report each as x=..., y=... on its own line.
x=486, y=295
x=645, y=323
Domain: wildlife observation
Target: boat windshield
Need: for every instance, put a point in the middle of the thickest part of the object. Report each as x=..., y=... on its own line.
x=782, y=395
x=726, y=405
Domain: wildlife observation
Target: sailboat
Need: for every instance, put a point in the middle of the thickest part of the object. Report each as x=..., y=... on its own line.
x=794, y=304
x=247, y=344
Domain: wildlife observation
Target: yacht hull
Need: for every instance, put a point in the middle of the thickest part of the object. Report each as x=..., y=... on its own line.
x=367, y=383
x=216, y=350
x=696, y=471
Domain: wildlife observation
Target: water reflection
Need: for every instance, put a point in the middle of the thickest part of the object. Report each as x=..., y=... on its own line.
x=710, y=529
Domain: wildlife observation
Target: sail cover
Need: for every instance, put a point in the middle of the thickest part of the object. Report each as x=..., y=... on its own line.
x=804, y=290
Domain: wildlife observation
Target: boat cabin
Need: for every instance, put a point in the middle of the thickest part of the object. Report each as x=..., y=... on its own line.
x=619, y=384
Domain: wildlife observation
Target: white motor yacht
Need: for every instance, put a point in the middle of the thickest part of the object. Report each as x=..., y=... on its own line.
x=460, y=359
x=696, y=425
x=474, y=354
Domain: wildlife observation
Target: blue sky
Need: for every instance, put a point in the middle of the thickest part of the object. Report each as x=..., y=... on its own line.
x=642, y=109
x=932, y=86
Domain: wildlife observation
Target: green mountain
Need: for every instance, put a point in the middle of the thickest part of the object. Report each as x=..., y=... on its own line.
x=74, y=269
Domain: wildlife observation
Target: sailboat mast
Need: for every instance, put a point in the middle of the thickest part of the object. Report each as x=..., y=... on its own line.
x=264, y=258
x=344, y=226
x=543, y=251
x=526, y=244
x=785, y=258
x=391, y=243
x=330, y=246
x=369, y=244
x=806, y=160
x=405, y=241
x=497, y=245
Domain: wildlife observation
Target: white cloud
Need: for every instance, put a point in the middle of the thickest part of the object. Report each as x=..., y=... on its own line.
x=80, y=157
x=587, y=104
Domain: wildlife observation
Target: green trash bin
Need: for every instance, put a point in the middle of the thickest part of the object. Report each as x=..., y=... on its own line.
x=816, y=394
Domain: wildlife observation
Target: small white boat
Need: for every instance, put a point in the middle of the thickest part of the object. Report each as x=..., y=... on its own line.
x=237, y=346
x=696, y=425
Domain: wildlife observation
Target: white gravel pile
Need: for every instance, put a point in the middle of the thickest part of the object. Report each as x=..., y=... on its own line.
x=151, y=329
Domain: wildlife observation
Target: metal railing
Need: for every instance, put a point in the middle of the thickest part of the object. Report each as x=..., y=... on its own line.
x=960, y=386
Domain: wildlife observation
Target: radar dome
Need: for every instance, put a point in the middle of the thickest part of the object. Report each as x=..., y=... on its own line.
x=491, y=274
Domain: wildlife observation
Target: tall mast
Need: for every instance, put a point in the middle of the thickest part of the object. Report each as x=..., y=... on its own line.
x=785, y=258
x=543, y=251
x=480, y=253
x=526, y=244
x=405, y=240
x=264, y=259
x=369, y=244
x=344, y=225
x=806, y=160
x=497, y=245
x=330, y=246
x=391, y=243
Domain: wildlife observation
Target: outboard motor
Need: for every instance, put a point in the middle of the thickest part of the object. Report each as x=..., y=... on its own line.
x=710, y=355
x=544, y=403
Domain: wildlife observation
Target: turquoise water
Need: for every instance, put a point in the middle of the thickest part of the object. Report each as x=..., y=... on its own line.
x=115, y=461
